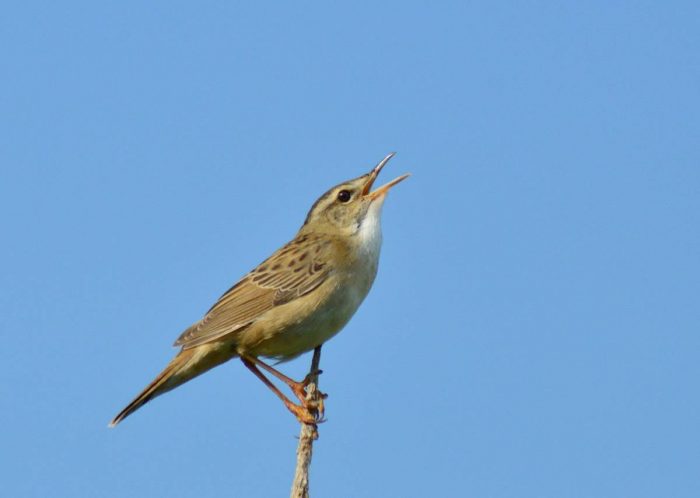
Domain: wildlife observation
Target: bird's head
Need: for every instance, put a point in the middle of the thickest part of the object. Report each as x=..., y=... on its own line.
x=343, y=209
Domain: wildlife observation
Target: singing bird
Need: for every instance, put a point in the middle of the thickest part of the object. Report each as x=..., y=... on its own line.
x=292, y=302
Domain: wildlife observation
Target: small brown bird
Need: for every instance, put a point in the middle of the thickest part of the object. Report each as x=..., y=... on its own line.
x=294, y=301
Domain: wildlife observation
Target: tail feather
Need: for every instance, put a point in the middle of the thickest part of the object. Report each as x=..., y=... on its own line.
x=185, y=366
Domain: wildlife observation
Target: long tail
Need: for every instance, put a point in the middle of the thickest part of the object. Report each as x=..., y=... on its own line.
x=188, y=364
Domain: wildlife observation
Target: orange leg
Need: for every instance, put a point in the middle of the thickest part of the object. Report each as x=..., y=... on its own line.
x=302, y=413
x=298, y=388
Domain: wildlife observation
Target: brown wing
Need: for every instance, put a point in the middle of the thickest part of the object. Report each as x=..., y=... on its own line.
x=296, y=269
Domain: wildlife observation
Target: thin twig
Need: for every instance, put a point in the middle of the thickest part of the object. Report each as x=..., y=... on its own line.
x=307, y=436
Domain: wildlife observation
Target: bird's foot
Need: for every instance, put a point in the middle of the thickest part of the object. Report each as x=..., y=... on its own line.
x=311, y=408
x=311, y=376
x=316, y=405
x=306, y=415
x=313, y=403
x=299, y=388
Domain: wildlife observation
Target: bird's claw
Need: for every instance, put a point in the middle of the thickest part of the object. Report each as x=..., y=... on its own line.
x=299, y=388
x=311, y=377
x=307, y=415
x=316, y=405
x=312, y=403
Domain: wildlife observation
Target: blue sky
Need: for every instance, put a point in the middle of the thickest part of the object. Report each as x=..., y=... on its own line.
x=533, y=330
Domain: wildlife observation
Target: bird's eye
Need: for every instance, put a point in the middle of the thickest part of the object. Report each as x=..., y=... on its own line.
x=344, y=195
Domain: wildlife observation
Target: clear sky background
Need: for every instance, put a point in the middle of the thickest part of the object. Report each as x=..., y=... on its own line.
x=534, y=327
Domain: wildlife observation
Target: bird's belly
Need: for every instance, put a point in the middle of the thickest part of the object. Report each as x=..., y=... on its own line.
x=318, y=322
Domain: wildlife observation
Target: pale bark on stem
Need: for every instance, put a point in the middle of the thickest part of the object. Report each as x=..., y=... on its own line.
x=307, y=436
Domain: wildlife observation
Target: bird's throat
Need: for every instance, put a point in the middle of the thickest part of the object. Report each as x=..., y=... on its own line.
x=369, y=234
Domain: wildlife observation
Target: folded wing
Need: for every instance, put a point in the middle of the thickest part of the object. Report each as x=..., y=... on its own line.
x=295, y=270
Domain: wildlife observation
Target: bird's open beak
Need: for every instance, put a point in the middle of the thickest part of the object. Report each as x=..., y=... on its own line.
x=373, y=176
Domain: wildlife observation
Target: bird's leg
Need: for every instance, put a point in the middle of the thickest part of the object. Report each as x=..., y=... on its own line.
x=302, y=413
x=298, y=388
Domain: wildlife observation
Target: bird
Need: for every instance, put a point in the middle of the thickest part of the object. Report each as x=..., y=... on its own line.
x=291, y=303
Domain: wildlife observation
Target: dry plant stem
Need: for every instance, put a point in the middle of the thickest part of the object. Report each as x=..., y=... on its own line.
x=309, y=433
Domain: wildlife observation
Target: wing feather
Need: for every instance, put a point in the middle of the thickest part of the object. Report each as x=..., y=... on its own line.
x=295, y=270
